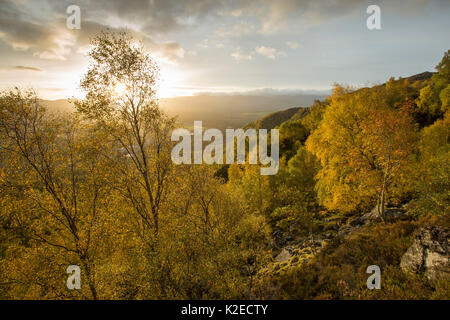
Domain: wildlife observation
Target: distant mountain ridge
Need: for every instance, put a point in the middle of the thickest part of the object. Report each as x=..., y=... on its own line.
x=219, y=111
x=275, y=119
x=421, y=76
x=236, y=111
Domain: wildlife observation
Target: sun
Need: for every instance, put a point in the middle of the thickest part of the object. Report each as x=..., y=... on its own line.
x=170, y=84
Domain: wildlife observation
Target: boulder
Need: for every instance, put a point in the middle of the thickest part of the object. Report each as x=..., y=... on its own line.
x=283, y=256
x=429, y=253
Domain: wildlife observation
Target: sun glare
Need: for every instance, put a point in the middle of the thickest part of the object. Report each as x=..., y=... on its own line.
x=120, y=89
x=170, y=84
x=171, y=79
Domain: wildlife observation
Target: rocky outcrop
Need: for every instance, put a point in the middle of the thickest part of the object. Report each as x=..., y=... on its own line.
x=357, y=223
x=429, y=253
x=305, y=247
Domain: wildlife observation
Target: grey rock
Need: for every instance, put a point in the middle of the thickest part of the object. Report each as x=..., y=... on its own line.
x=283, y=256
x=429, y=253
x=357, y=223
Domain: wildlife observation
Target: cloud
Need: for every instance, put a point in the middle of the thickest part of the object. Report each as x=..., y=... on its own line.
x=272, y=17
x=27, y=68
x=170, y=50
x=21, y=31
x=160, y=17
x=293, y=44
x=203, y=44
x=239, y=29
x=276, y=16
x=49, y=38
x=238, y=55
x=268, y=52
x=40, y=27
x=156, y=16
x=236, y=13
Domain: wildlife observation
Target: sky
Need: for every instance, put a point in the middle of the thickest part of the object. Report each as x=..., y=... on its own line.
x=216, y=46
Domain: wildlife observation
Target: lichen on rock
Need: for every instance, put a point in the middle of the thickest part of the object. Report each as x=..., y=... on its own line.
x=429, y=254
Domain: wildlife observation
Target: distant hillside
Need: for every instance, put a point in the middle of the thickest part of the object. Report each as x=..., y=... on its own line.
x=421, y=76
x=302, y=112
x=233, y=111
x=274, y=119
x=220, y=111
x=58, y=105
x=292, y=114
